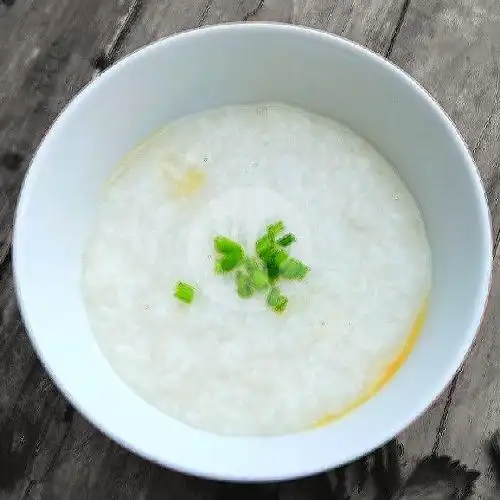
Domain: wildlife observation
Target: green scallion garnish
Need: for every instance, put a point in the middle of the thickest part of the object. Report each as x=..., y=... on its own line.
x=273, y=271
x=276, y=301
x=243, y=285
x=228, y=262
x=280, y=256
x=273, y=262
x=265, y=247
x=184, y=292
x=287, y=240
x=281, y=305
x=255, y=274
x=269, y=251
x=273, y=230
x=259, y=279
x=227, y=246
x=231, y=254
x=293, y=269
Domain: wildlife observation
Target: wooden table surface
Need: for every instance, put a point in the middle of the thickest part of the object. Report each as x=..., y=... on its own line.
x=49, y=49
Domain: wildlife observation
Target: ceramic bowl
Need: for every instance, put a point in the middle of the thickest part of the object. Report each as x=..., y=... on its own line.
x=230, y=64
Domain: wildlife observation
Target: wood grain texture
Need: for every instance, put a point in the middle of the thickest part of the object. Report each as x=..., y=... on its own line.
x=48, y=50
x=371, y=23
x=439, y=478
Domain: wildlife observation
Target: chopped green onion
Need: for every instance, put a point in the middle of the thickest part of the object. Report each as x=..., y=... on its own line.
x=268, y=251
x=184, y=292
x=273, y=271
x=280, y=256
x=276, y=301
x=228, y=262
x=227, y=246
x=273, y=230
x=287, y=240
x=272, y=296
x=259, y=279
x=293, y=269
x=281, y=305
x=232, y=254
x=272, y=259
x=257, y=273
x=254, y=274
x=243, y=285
x=264, y=247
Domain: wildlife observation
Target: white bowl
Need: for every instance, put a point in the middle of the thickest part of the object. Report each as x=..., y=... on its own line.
x=244, y=63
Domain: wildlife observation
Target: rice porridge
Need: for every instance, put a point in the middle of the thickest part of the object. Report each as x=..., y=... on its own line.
x=232, y=366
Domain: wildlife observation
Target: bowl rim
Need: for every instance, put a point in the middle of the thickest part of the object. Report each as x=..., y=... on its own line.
x=310, y=466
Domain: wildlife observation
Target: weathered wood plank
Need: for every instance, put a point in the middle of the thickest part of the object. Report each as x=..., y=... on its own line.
x=48, y=49
x=439, y=478
x=163, y=18
x=90, y=466
x=371, y=23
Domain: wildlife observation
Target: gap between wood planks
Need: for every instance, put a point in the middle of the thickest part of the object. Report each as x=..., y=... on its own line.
x=402, y=15
x=107, y=57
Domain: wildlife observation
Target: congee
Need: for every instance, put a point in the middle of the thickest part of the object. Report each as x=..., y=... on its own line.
x=256, y=270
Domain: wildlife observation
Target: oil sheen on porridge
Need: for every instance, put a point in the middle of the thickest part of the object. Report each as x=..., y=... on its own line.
x=232, y=366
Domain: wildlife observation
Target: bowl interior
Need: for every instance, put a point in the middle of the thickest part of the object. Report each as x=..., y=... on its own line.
x=245, y=64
